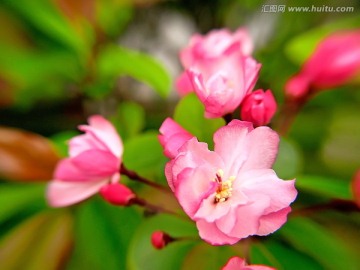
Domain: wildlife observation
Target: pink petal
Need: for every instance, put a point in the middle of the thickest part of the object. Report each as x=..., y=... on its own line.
x=234, y=263
x=247, y=218
x=60, y=193
x=183, y=84
x=262, y=148
x=105, y=132
x=211, y=234
x=84, y=142
x=230, y=143
x=89, y=165
x=265, y=182
x=273, y=221
x=193, y=186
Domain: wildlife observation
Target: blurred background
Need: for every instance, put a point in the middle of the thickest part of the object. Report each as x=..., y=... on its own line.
x=63, y=60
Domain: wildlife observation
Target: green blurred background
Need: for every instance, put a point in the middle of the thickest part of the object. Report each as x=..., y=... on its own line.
x=63, y=60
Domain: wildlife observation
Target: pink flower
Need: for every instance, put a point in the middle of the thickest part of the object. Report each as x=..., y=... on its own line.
x=232, y=192
x=236, y=263
x=172, y=137
x=117, y=194
x=95, y=159
x=258, y=107
x=222, y=84
x=202, y=51
x=335, y=61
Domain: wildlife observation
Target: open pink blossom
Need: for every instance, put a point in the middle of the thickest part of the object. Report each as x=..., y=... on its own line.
x=95, y=159
x=232, y=192
x=172, y=137
x=236, y=263
x=258, y=107
x=222, y=84
x=335, y=61
x=209, y=48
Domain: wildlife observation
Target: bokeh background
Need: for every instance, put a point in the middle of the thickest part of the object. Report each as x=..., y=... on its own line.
x=63, y=60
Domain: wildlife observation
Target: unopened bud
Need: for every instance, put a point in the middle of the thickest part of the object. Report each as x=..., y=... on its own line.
x=117, y=194
x=258, y=107
x=355, y=186
x=160, y=239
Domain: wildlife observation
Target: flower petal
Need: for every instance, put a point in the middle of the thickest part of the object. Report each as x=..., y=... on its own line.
x=61, y=193
x=211, y=234
x=105, y=132
x=273, y=221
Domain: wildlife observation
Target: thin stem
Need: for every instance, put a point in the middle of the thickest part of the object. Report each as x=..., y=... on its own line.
x=338, y=205
x=155, y=208
x=134, y=176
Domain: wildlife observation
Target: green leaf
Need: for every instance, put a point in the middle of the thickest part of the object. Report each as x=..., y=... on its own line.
x=129, y=119
x=216, y=257
x=315, y=240
x=40, y=242
x=144, y=155
x=289, y=161
x=279, y=255
x=143, y=256
x=43, y=15
x=102, y=235
x=189, y=113
x=324, y=186
x=115, y=61
x=14, y=199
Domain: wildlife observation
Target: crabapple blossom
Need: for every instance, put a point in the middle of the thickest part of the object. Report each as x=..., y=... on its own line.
x=172, y=137
x=258, y=107
x=236, y=263
x=94, y=162
x=160, y=239
x=232, y=192
x=208, y=48
x=335, y=61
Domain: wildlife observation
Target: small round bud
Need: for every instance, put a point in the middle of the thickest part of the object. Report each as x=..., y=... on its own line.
x=160, y=239
x=117, y=194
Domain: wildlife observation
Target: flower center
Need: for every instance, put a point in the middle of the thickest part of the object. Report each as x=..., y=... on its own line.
x=224, y=188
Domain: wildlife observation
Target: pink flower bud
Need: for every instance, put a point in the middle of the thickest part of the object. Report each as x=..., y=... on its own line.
x=160, y=239
x=236, y=263
x=355, y=186
x=258, y=107
x=335, y=61
x=117, y=194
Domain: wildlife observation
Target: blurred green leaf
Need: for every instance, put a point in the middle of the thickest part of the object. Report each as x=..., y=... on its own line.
x=301, y=47
x=129, y=119
x=115, y=61
x=315, y=240
x=143, y=256
x=216, y=257
x=144, y=155
x=41, y=242
x=189, y=113
x=281, y=256
x=289, y=160
x=102, y=235
x=324, y=186
x=340, y=151
x=114, y=15
x=43, y=15
x=16, y=198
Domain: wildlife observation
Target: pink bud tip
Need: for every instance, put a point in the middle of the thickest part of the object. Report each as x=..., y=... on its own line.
x=117, y=194
x=160, y=239
x=355, y=186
